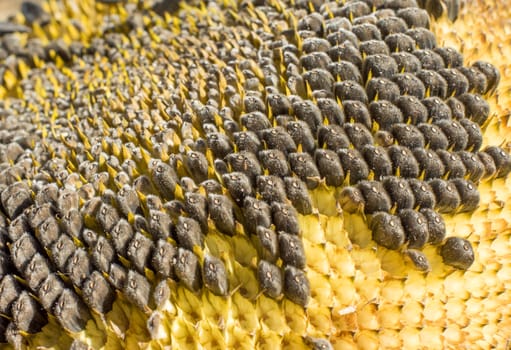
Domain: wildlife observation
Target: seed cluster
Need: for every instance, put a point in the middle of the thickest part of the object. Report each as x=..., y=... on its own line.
x=127, y=151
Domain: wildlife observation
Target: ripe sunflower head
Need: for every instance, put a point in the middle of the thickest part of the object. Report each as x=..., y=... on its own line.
x=256, y=174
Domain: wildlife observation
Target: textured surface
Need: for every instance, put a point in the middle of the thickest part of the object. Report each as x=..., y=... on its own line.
x=10, y=7
x=362, y=295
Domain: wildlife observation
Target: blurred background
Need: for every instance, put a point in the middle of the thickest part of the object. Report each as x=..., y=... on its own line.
x=10, y=7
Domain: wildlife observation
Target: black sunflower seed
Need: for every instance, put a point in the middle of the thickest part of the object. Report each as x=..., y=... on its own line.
x=48, y=232
x=161, y=293
x=454, y=167
x=382, y=89
x=36, y=215
x=107, y=217
x=400, y=193
x=298, y=194
x=122, y=234
x=374, y=47
x=304, y=167
x=402, y=43
x=9, y=292
x=345, y=70
x=278, y=104
x=379, y=66
x=366, y=31
x=385, y=114
x=196, y=165
x=268, y=243
x=296, y=286
x=357, y=112
x=270, y=279
x=352, y=10
x=455, y=132
x=97, y=293
x=354, y=165
x=423, y=193
x=50, y=290
x=319, y=79
x=457, y=108
x=36, y=271
x=188, y=270
x=501, y=158
x=447, y=196
x=291, y=250
x=378, y=161
x=409, y=85
x=164, y=179
x=246, y=163
x=388, y=230
x=375, y=197
x=457, y=252
x=70, y=311
x=278, y=138
x=434, y=136
x=452, y=58
x=437, y=109
x=418, y=259
x=271, y=188
x=247, y=141
x=27, y=314
x=457, y=83
x=78, y=267
x=492, y=75
x=358, y=134
x=67, y=200
x=435, y=84
x=15, y=199
x=469, y=195
x=128, y=201
x=332, y=137
x=475, y=136
x=22, y=251
x=196, y=206
x=220, y=144
x=139, y=251
x=315, y=60
x=424, y=38
x=490, y=169
x=137, y=289
x=406, y=62
x=285, y=218
x=214, y=275
x=473, y=165
x=430, y=164
x=477, y=82
x=103, y=254
x=350, y=90
x=391, y=25
x=430, y=60
x=407, y=135
x=72, y=223
x=415, y=226
x=436, y=225
x=162, y=259
x=301, y=133
x=257, y=214
x=403, y=161
x=275, y=161
x=351, y=199
x=329, y=167
x=414, y=17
